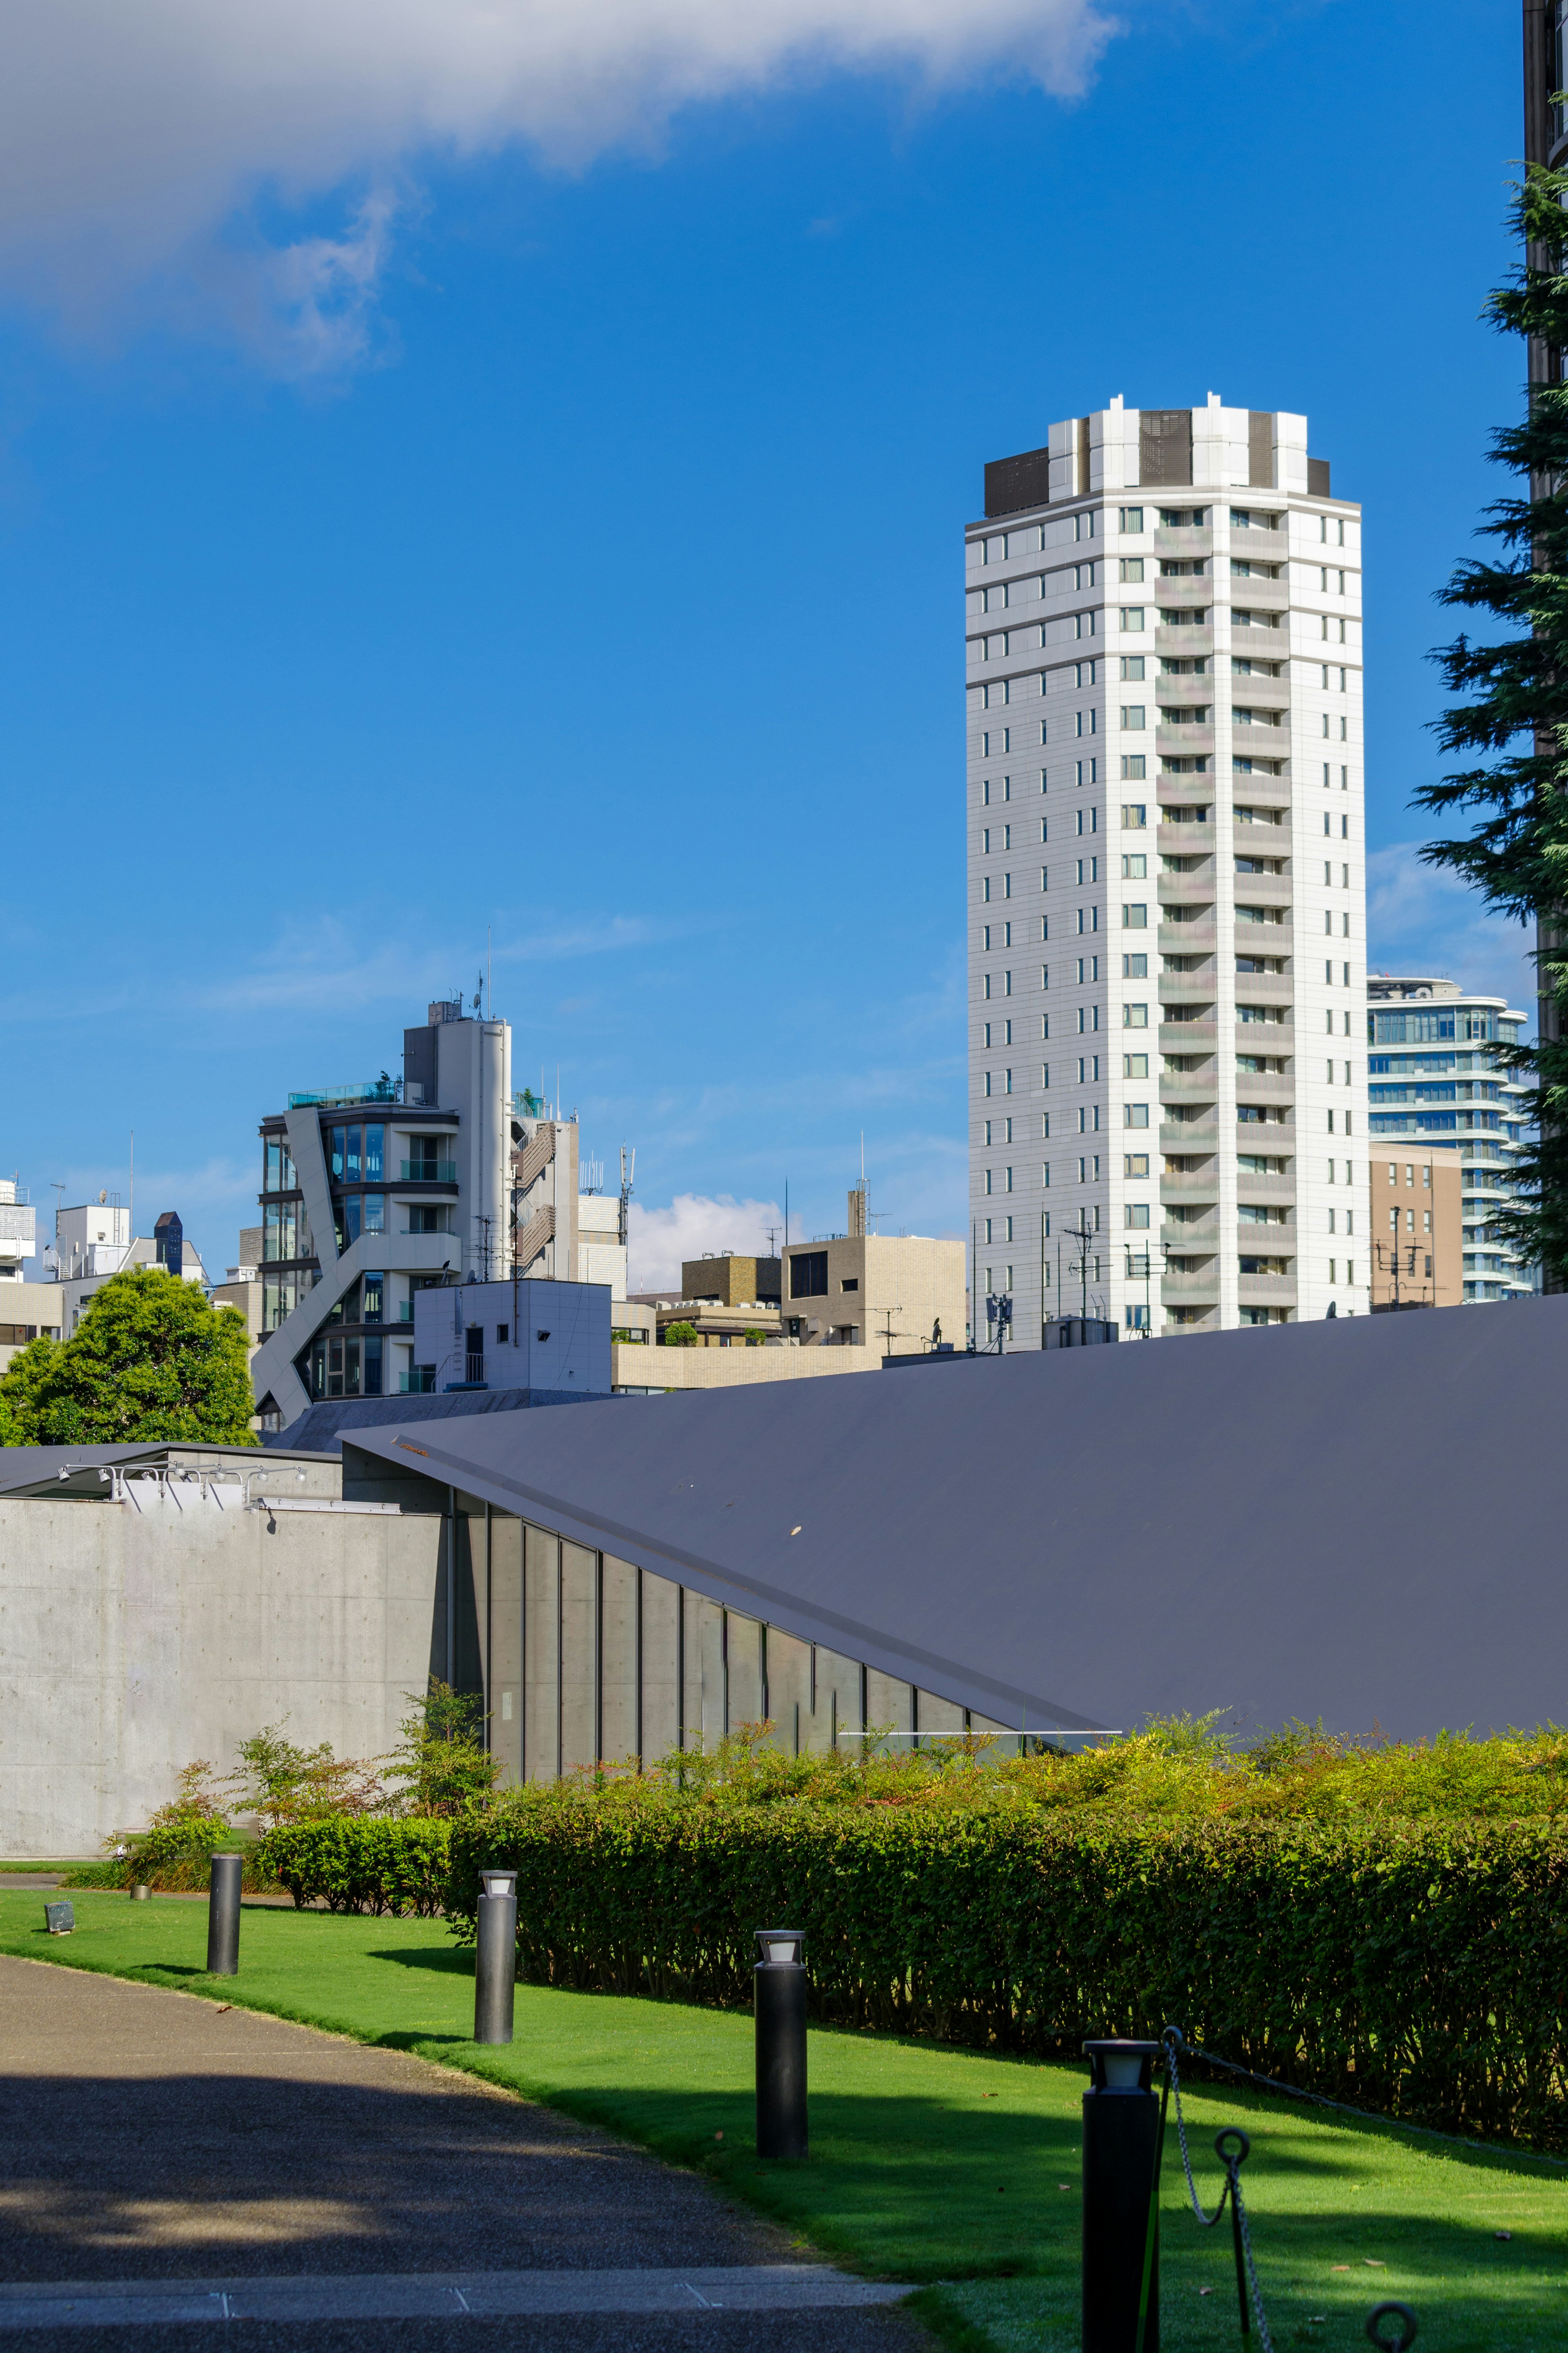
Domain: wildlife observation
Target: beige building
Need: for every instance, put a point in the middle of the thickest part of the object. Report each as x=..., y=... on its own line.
x=886, y=1293
x=242, y=1287
x=25, y=1310
x=732, y=1279
x=644, y=1371
x=1417, y=1230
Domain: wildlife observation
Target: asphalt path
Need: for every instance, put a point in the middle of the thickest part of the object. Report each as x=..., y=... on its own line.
x=175, y=2176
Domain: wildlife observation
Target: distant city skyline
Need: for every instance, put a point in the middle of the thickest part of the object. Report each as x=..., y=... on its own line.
x=370, y=595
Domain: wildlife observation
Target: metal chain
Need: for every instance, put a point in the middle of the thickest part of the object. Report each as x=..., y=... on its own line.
x=1172, y=2039
x=1251, y=2268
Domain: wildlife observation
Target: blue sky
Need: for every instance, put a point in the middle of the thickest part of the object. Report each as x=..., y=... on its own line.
x=519, y=496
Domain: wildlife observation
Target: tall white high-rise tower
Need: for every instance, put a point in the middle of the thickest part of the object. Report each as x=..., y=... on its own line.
x=1167, y=879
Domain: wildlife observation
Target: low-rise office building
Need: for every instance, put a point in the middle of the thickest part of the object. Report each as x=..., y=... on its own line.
x=1416, y=1229
x=891, y=1294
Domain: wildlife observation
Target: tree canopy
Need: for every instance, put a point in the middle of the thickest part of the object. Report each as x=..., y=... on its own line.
x=1511, y=728
x=150, y=1359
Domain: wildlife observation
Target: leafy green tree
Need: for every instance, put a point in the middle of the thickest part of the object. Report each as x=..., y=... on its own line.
x=149, y=1359
x=442, y=1761
x=679, y=1336
x=1511, y=728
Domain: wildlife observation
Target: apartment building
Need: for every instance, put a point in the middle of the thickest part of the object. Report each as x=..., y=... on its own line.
x=1166, y=876
x=1437, y=1088
x=372, y=1192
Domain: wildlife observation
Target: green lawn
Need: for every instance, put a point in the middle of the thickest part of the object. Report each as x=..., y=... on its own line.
x=927, y=2164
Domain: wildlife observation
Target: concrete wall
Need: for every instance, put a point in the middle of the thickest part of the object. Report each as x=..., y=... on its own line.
x=134, y=1639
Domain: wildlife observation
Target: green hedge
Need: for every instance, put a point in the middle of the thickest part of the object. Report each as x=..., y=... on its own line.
x=1419, y=1969
x=354, y=1862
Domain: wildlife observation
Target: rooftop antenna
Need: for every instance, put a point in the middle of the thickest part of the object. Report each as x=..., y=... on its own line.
x=131, y=1213
x=490, y=970
x=629, y=1170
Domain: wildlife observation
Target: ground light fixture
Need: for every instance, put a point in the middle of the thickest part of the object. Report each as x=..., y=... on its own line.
x=779, y=1991
x=223, y=1915
x=495, y=1957
x=1120, y=2130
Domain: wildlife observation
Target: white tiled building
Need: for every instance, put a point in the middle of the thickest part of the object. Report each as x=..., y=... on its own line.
x=1167, y=955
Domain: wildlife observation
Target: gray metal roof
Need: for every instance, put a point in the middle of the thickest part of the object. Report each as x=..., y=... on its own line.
x=1361, y=1520
x=322, y=1427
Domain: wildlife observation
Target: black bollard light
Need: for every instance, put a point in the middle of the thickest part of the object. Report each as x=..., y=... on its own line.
x=1121, y=2133
x=779, y=1979
x=495, y=1957
x=222, y=1915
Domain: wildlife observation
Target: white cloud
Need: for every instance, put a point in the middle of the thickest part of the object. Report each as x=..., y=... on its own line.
x=132, y=137
x=1422, y=920
x=693, y=1223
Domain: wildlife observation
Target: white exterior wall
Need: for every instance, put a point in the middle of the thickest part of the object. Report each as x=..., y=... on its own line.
x=1046, y=648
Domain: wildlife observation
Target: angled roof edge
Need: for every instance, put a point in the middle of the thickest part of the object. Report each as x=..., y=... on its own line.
x=942, y=1677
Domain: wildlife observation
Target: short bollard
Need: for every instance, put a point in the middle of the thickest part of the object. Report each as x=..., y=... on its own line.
x=495, y=1957
x=222, y=1915
x=1121, y=2131
x=140, y=1892
x=779, y=1978
x=60, y=1919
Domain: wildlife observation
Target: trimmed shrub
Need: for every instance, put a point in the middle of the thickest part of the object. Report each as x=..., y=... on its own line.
x=1419, y=1968
x=356, y=1862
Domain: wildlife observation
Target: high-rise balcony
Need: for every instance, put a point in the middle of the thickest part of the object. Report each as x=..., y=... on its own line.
x=1174, y=840
x=1265, y=1086
x=1194, y=636
x=1183, y=736
x=1177, y=1289
x=1256, y=691
x=1185, y=543
x=1264, y=987
x=1189, y=1086
x=1187, y=939
x=1266, y=1290
x=1262, y=1191
x=1185, y=1236
x=1263, y=890
x=1190, y=1134
x=1266, y=546
x=1253, y=590
x=1273, y=645
x=1189, y=1037
x=1199, y=1183
x=428, y=1172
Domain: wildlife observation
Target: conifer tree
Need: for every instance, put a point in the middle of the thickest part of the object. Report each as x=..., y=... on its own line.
x=1512, y=725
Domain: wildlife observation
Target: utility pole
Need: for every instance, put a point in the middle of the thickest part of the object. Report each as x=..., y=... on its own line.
x=1083, y=1234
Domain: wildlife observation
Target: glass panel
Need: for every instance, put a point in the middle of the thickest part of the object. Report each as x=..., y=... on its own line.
x=271, y=1180
x=375, y=1213
x=373, y=1368
x=351, y=1169
x=336, y=1157
x=288, y=1229
x=351, y=1215
x=374, y=1141
x=270, y=1219
x=375, y=1284
x=351, y=1368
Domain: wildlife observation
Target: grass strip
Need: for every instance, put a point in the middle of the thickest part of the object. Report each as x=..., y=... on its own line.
x=949, y=2168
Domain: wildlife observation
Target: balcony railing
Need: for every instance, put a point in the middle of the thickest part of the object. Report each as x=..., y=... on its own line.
x=428, y=1172
x=419, y=1382
x=365, y=1090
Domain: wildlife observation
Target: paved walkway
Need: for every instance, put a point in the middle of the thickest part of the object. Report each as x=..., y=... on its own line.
x=173, y=2174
